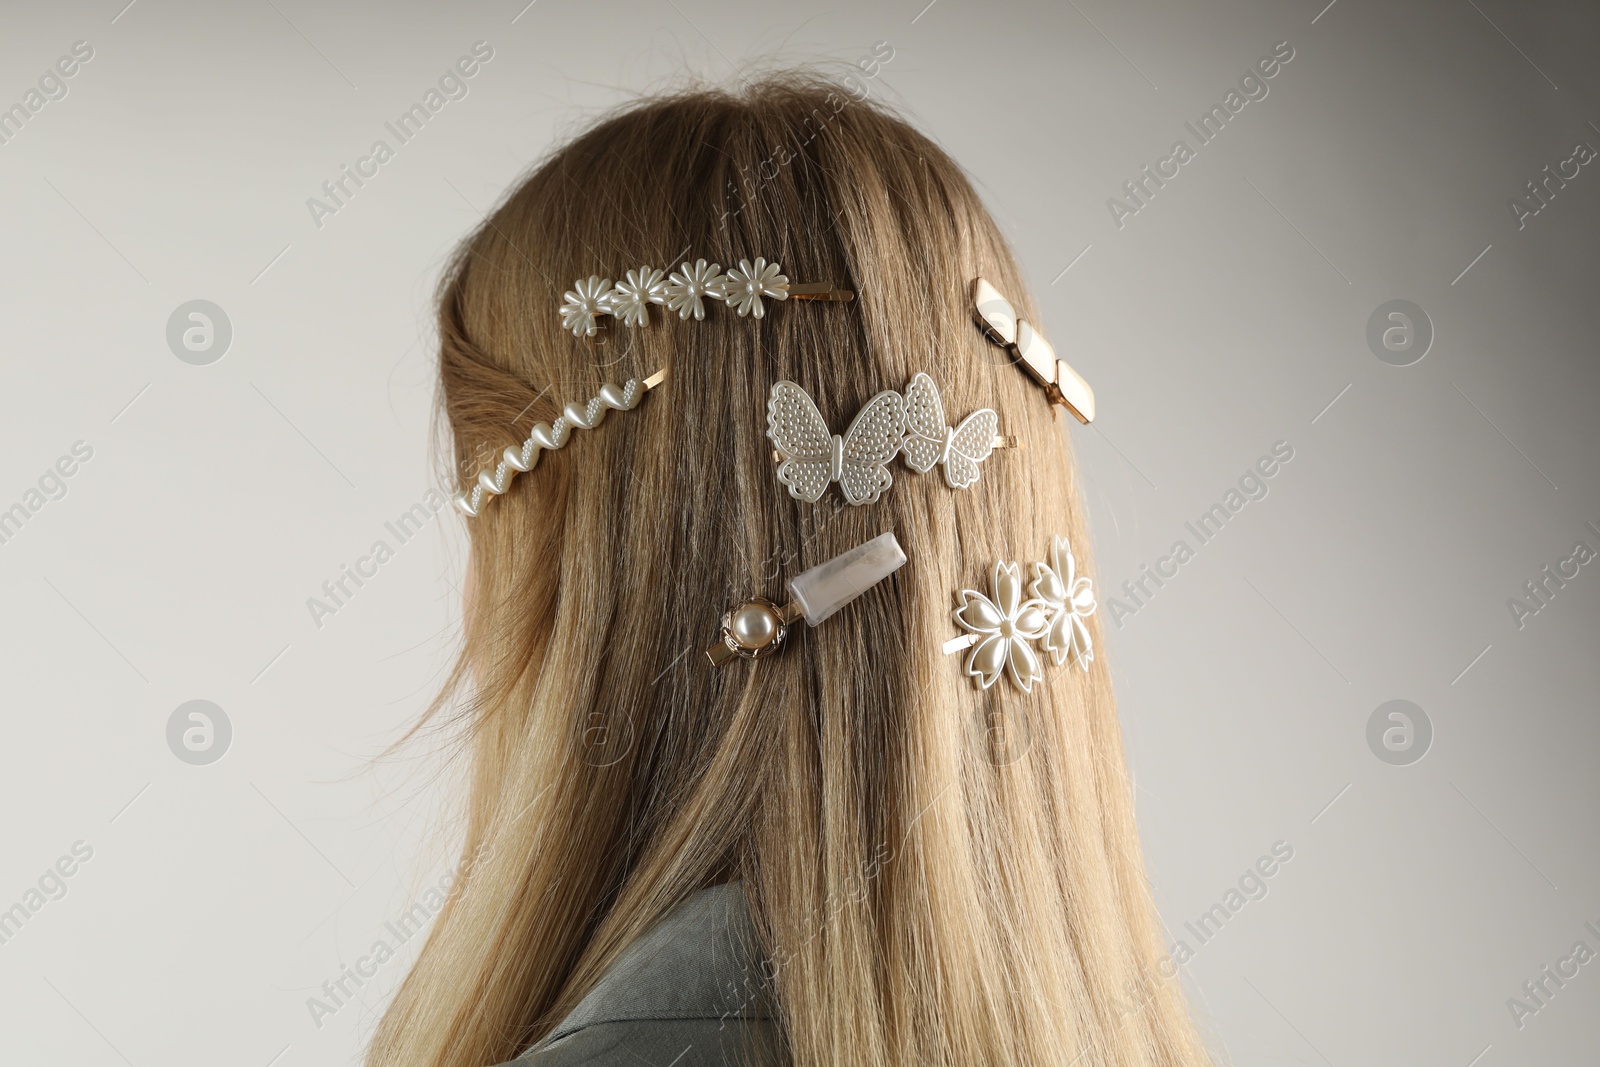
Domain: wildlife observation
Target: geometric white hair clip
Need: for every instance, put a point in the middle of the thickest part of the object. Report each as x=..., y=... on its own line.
x=1000, y=324
x=757, y=627
x=744, y=288
x=547, y=437
x=1001, y=626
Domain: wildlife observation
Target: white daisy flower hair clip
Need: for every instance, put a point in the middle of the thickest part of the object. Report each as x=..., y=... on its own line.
x=745, y=288
x=1002, y=626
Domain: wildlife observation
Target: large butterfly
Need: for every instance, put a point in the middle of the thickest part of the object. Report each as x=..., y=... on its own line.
x=930, y=441
x=812, y=457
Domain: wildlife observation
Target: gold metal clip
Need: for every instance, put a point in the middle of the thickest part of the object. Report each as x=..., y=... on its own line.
x=820, y=291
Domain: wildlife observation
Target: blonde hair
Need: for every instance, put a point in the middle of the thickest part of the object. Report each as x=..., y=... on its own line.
x=941, y=874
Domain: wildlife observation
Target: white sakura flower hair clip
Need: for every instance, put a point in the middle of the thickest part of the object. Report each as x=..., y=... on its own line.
x=758, y=626
x=1070, y=600
x=743, y=288
x=1002, y=626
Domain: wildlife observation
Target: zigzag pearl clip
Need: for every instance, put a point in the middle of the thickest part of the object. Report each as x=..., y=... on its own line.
x=551, y=436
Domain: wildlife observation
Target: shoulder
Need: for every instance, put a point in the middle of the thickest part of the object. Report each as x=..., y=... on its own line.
x=689, y=992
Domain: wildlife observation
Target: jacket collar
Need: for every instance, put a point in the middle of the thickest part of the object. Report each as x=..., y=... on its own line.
x=700, y=961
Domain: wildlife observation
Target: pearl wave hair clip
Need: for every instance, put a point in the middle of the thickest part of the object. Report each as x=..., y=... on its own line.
x=1002, y=626
x=547, y=437
x=1000, y=324
x=912, y=425
x=757, y=626
x=685, y=290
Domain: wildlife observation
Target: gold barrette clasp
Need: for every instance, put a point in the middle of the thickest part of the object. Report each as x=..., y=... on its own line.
x=820, y=291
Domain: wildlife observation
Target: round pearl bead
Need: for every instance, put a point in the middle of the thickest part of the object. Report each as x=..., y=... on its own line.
x=754, y=626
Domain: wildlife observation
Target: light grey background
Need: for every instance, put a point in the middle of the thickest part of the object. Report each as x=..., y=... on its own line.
x=1228, y=314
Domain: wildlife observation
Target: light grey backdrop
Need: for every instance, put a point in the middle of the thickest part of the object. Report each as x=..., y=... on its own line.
x=208, y=904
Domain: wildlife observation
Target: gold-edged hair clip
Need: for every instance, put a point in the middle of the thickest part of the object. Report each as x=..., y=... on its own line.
x=1000, y=324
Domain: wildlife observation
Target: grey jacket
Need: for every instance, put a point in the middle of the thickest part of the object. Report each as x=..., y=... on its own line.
x=687, y=993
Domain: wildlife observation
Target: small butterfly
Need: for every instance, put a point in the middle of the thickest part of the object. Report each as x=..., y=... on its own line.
x=812, y=457
x=930, y=441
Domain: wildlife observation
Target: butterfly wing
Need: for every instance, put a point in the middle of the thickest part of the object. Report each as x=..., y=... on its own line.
x=870, y=444
x=924, y=435
x=970, y=445
x=804, y=444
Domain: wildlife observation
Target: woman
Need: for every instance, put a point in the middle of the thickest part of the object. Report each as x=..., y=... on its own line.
x=857, y=850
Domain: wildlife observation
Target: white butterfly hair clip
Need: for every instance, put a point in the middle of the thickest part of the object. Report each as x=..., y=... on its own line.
x=929, y=441
x=743, y=288
x=810, y=457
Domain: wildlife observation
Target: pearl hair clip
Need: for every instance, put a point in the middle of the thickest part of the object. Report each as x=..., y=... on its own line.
x=757, y=627
x=685, y=291
x=1002, y=626
x=999, y=322
x=810, y=458
x=551, y=436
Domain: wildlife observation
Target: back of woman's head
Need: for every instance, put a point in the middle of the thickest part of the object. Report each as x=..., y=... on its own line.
x=939, y=873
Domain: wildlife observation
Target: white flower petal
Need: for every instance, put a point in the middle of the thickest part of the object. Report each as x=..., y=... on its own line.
x=1058, y=638
x=1023, y=665
x=987, y=658
x=1031, y=619
x=978, y=613
x=1007, y=588
x=1048, y=585
x=1082, y=647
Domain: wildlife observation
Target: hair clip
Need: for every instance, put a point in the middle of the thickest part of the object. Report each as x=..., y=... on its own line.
x=929, y=441
x=810, y=458
x=1001, y=626
x=758, y=626
x=998, y=319
x=551, y=436
x=744, y=288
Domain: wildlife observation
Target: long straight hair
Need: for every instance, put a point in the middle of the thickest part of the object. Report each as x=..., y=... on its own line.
x=939, y=874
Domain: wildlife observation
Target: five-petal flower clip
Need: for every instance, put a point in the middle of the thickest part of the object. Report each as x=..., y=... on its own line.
x=744, y=288
x=1004, y=624
x=1001, y=626
x=1071, y=600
